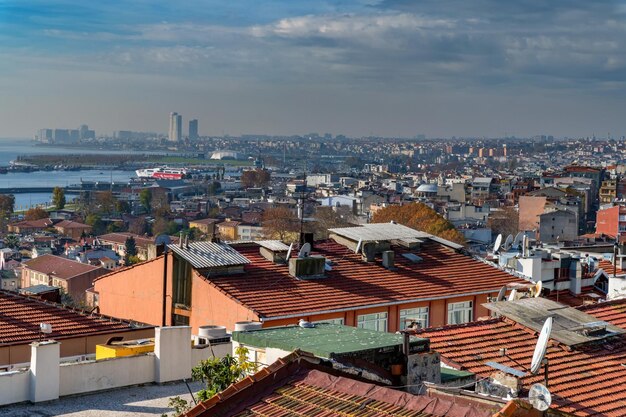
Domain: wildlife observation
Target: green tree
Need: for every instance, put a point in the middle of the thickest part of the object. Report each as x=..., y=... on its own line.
x=145, y=198
x=216, y=374
x=58, y=198
x=420, y=217
x=12, y=241
x=96, y=223
x=130, y=250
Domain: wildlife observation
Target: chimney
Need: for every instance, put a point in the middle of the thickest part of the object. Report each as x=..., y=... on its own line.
x=388, y=259
x=311, y=267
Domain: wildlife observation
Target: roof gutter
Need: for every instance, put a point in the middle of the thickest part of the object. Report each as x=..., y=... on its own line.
x=387, y=304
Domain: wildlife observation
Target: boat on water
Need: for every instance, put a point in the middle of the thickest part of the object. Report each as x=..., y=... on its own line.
x=162, y=173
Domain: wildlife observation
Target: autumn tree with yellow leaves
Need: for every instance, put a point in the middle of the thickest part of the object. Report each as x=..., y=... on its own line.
x=420, y=217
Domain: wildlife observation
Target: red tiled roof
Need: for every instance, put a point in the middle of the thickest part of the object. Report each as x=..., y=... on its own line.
x=269, y=290
x=586, y=381
x=59, y=267
x=293, y=387
x=20, y=317
x=608, y=268
x=120, y=238
x=69, y=224
x=39, y=223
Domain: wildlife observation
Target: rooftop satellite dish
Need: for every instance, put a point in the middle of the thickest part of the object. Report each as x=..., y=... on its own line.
x=358, y=246
x=45, y=328
x=502, y=294
x=592, y=263
x=513, y=294
x=305, y=250
x=537, y=289
x=508, y=242
x=289, y=252
x=162, y=239
x=518, y=240
x=541, y=347
x=539, y=397
x=497, y=244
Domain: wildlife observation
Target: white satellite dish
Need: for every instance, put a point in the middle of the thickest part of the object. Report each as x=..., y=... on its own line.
x=539, y=397
x=502, y=294
x=537, y=289
x=513, y=294
x=498, y=242
x=508, y=242
x=541, y=347
x=518, y=240
x=592, y=263
x=305, y=250
x=358, y=246
x=45, y=328
x=289, y=252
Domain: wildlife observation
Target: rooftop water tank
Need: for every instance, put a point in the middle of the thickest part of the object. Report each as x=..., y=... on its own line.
x=241, y=326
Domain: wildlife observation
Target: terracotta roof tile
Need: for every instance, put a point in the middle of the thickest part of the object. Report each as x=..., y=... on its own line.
x=60, y=267
x=269, y=290
x=295, y=389
x=20, y=317
x=586, y=381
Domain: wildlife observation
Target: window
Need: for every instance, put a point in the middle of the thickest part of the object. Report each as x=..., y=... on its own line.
x=418, y=315
x=459, y=313
x=375, y=321
x=331, y=321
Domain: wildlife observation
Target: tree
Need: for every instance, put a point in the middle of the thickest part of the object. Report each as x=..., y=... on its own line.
x=12, y=241
x=420, y=217
x=96, y=223
x=255, y=178
x=327, y=218
x=130, y=250
x=145, y=198
x=279, y=223
x=58, y=198
x=106, y=202
x=216, y=374
x=7, y=203
x=504, y=221
x=35, y=213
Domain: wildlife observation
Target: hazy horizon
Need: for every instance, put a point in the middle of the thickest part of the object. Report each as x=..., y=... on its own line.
x=390, y=68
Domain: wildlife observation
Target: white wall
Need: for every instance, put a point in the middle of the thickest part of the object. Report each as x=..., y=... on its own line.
x=81, y=377
x=202, y=353
x=14, y=387
x=48, y=380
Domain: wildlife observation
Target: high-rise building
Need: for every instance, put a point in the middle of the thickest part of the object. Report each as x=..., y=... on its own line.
x=176, y=127
x=193, y=129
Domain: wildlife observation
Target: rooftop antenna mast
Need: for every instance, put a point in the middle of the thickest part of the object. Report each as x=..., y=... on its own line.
x=302, y=196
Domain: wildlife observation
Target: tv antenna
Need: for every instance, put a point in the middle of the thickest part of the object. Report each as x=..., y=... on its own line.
x=539, y=397
x=497, y=243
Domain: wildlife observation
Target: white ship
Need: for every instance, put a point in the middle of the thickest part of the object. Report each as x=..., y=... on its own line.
x=162, y=173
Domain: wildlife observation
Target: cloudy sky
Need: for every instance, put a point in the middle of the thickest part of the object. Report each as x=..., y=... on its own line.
x=357, y=67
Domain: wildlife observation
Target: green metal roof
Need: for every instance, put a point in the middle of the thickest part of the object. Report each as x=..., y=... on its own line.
x=449, y=375
x=325, y=340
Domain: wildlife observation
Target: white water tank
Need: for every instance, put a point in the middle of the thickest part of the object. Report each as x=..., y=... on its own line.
x=212, y=332
x=242, y=326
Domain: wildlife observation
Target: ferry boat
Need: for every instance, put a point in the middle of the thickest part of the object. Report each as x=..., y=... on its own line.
x=162, y=173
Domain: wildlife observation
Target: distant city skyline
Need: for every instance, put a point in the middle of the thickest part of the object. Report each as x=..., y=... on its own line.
x=391, y=68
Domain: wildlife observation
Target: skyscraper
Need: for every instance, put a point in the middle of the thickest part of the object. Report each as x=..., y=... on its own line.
x=193, y=129
x=176, y=127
